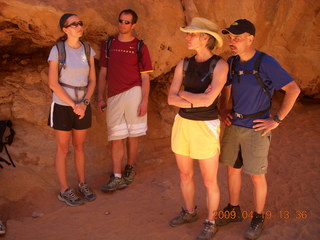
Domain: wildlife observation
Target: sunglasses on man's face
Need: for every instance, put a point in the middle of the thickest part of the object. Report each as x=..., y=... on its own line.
x=75, y=24
x=124, y=21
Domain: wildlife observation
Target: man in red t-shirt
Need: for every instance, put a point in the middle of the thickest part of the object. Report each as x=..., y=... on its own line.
x=127, y=92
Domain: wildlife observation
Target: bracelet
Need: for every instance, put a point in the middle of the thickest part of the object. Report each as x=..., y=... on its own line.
x=276, y=119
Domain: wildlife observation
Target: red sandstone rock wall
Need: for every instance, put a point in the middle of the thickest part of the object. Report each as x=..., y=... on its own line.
x=286, y=29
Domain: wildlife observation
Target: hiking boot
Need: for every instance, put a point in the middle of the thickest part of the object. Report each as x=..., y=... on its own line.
x=184, y=217
x=115, y=183
x=255, y=228
x=230, y=214
x=70, y=197
x=87, y=193
x=2, y=228
x=129, y=174
x=208, y=231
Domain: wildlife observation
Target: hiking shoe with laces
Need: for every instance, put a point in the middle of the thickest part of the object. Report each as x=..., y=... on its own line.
x=184, y=217
x=255, y=228
x=129, y=174
x=115, y=183
x=87, y=193
x=208, y=231
x=2, y=228
x=230, y=214
x=70, y=197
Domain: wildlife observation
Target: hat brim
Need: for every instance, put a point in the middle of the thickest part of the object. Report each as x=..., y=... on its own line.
x=192, y=29
x=235, y=31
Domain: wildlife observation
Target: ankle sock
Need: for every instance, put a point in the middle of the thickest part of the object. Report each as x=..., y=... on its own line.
x=213, y=222
x=118, y=175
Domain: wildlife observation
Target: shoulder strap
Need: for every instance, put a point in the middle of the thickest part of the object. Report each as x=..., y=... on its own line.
x=108, y=44
x=232, y=65
x=87, y=51
x=213, y=64
x=257, y=75
x=185, y=66
x=139, y=52
x=61, y=55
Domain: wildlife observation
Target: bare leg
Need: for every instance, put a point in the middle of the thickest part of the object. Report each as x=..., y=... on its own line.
x=132, y=148
x=78, y=138
x=259, y=191
x=209, y=170
x=185, y=165
x=234, y=185
x=117, y=153
x=63, y=138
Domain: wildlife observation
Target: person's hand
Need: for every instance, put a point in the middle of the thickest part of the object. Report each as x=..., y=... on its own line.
x=265, y=124
x=226, y=116
x=80, y=109
x=142, y=109
x=101, y=105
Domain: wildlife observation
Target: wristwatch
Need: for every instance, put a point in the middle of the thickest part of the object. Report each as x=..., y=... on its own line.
x=86, y=101
x=276, y=119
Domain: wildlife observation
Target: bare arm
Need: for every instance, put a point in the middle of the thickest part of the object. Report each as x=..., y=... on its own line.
x=143, y=107
x=102, y=84
x=225, y=113
x=207, y=98
x=291, y=93
x=173, y=97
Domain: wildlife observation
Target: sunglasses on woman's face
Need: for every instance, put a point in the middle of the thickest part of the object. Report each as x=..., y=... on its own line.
x=75, y=24
x=124, y=21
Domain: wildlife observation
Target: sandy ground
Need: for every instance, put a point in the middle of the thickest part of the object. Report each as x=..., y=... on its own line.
x=142, y=211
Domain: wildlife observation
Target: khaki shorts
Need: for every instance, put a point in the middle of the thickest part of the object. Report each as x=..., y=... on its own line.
x=244, y=147
x=197, y=139
x=122, y=118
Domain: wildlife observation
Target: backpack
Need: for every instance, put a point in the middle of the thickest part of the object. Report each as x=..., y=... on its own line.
x=62, y=54
x=62, y=64
x=255, y=72
x=139, y=51
x=5, y=127
x=211, y=67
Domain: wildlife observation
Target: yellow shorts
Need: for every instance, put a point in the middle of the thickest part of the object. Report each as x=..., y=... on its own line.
x=197, y=139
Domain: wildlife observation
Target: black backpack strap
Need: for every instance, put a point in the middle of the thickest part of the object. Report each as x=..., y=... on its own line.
x=87, y=51
x=108, y=44
x=61, y=55
x=185, y=66
x=139, y=52
x=8, y=140
x=213, y=64
x=257, y=75
x=232, y=66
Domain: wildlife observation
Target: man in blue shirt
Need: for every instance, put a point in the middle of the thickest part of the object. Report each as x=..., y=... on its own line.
x=253, y=77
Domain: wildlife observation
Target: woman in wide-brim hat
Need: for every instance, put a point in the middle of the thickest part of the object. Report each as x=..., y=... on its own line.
x=195, y=133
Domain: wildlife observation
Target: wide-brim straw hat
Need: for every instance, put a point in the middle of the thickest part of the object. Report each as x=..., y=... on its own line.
x=203, y=25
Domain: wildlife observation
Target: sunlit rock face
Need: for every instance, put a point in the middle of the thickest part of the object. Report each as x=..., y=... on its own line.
x=286, y=29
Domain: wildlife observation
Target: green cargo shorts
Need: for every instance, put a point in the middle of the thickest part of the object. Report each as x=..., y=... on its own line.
x=245, y=148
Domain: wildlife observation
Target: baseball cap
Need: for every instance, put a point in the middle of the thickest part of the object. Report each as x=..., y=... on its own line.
x=240, y=26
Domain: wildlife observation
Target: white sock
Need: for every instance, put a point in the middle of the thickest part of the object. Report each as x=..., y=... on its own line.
x=213, y=222
x=118, y=175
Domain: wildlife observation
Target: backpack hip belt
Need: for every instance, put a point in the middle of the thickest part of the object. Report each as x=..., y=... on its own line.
x=76, y=89
x=239, y=115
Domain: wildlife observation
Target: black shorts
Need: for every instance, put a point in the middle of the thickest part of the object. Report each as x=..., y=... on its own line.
x=63, y=118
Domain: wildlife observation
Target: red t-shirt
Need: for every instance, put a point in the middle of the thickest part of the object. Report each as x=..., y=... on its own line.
x=124, y=70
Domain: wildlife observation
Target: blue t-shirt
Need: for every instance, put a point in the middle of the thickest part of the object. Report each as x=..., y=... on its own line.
x=248, y=96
